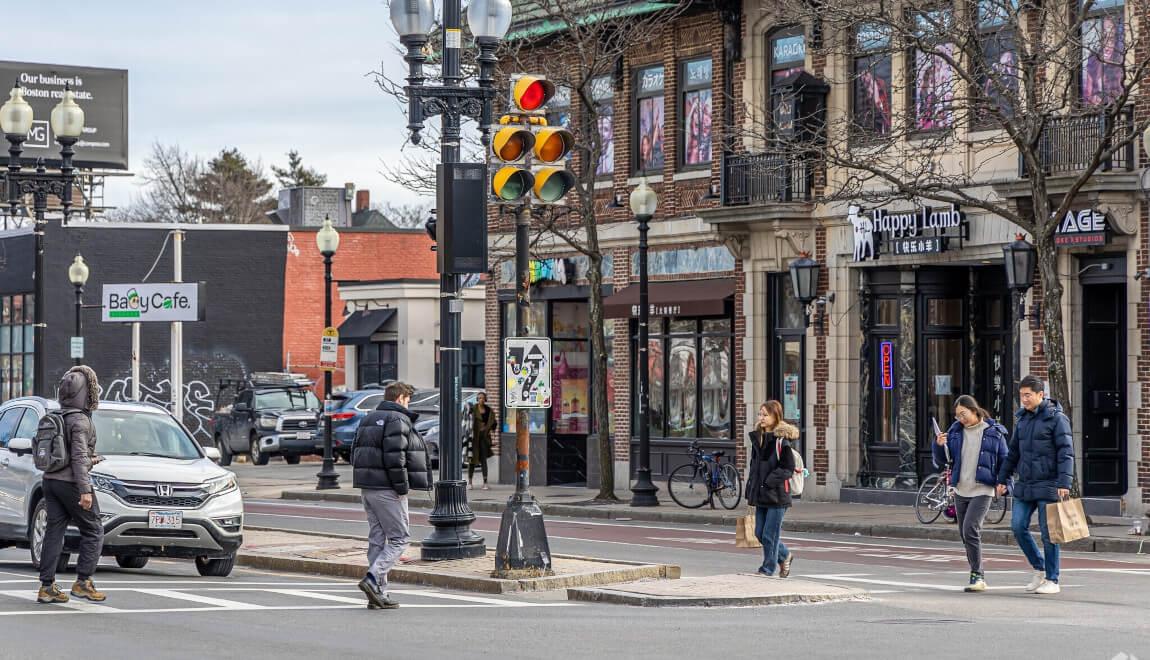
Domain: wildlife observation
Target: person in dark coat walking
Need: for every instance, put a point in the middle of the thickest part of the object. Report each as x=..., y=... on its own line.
x=768, y=485
x=976, y=445
x=482, y=426
x=389, y=458
x=1042, y=451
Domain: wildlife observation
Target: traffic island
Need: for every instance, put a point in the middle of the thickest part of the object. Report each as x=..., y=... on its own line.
x=344, y=556
x=733, y=590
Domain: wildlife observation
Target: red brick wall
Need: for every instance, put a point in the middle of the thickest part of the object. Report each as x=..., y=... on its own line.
x=362, y=255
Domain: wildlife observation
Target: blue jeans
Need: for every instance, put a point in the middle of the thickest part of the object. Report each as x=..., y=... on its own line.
x=1020, y=524
x=769, y=531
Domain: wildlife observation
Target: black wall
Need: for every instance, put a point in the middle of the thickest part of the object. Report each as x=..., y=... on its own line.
x=243, y=331
x=17, y=257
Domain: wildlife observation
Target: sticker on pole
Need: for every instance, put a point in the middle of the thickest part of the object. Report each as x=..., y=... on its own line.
x=329, y=348
x=527, y=372
x=77, y=348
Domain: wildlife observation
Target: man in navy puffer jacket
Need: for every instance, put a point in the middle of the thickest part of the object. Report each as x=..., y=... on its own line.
x=1042, y=451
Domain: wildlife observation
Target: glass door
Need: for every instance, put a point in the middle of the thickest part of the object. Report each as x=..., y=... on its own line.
x=942, y=374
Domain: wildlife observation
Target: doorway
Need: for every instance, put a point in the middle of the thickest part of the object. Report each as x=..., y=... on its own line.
x=1103, y=383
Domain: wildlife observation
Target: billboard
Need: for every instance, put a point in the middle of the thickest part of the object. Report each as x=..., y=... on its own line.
x=102, y=93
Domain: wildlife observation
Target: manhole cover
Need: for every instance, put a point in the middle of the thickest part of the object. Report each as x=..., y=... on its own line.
x=917, y=622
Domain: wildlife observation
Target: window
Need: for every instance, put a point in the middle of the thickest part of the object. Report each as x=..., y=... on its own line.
x=17, y=346
x=369, y=403
x=1103, y=50
x=695, y=111
x=378, y=361
x=932, y=95
x=649, y=153
x=998, y=73
x=28, y=424
x=472, y=365
x=689, y=370
x=603, y=96
x=8, y=422
x=872, y=81
x=788, y=54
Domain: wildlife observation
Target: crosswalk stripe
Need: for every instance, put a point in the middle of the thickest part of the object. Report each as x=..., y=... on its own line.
x=72, y=604
x=196, y=598
x=362, y=602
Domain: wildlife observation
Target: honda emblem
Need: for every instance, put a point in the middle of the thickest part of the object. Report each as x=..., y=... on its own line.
x=164, y=490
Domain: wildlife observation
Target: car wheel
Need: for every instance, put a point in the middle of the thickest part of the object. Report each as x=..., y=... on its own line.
x=129, y=561
x=221, y=567
x=257, y=456
x=225, y=453
x=292, y=459
x=36, y=530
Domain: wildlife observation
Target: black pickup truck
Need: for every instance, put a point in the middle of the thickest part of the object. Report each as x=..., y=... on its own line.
x=273, y=414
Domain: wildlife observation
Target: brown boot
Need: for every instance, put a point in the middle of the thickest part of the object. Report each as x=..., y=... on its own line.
x=51, y=594
x=85, y=589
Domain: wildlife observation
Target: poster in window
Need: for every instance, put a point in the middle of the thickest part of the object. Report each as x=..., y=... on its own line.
x=606, y=124
x=934, y=88
x=697, y=110
x=1001, y=80
x=1102, y=46
x=651, y=133
x=791, y=396
x=872, y=94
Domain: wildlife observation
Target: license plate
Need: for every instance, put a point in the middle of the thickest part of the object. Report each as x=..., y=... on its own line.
x=165, y=519
x=303, y=435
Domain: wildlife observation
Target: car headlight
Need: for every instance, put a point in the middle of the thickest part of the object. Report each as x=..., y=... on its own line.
x=267, y=422
x=221, y=485
x=103, y=482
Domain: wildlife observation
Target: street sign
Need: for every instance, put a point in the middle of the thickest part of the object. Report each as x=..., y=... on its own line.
x=143, y=303
x=77, y=348
x=329, y=348
x=527, y=372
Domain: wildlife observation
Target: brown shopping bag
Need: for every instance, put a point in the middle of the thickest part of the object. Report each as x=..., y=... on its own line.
x=745, y=532
x=1066, y=521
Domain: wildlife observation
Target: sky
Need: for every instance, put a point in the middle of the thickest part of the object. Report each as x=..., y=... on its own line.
x=264, y=76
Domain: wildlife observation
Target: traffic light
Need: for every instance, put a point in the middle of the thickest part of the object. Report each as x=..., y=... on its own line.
x=512, y=144
x=524, y=138
x=552, y=145
x=532, y=92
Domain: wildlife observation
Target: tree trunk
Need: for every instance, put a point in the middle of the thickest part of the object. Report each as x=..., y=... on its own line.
x=599, y=379
x=1053, y=336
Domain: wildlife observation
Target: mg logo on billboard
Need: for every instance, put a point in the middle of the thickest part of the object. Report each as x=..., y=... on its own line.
x=38, y=136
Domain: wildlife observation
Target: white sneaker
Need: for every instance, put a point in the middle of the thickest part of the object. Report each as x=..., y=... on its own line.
x=1036, y=581
x=1048, y=587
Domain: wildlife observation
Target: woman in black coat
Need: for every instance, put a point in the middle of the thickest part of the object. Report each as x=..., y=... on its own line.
x=768, y=485
x=483, y=424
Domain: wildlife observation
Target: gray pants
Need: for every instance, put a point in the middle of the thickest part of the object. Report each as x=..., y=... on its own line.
x=390, y=531
x=971, y=512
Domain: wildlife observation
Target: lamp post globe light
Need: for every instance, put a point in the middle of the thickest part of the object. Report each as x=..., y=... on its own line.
x=67, y=125
x=78, y=276
x=805, y=283
x=452, y=100
x=644, y=202
x=327, y=240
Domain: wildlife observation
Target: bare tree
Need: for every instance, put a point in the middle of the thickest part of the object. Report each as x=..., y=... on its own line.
x=169, y=176
x=405, y=216
x=988, y=84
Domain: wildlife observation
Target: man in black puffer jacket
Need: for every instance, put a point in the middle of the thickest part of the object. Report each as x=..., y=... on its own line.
x=389, y=458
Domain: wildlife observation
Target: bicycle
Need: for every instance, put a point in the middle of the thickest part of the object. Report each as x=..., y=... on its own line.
x=698, y=482
x=935, y=496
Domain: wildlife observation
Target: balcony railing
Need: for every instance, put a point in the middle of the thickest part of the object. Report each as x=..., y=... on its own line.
x=765, y=178
x=1068, y=144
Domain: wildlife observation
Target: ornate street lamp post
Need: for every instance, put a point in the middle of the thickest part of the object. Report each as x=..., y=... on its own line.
x=327, y=240
x=78, y=276
x=1019, y=258
x=644, y=203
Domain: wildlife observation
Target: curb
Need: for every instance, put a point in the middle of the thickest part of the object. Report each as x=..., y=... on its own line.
x=617, y=597
x=992, y=536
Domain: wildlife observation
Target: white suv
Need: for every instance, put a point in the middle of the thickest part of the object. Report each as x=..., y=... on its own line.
x=160, y=493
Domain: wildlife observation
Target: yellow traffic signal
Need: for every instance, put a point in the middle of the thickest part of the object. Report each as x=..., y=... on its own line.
x=532, y=93
x=512, y=143
x=553, y=183
x=512, y=183
x=553, y=144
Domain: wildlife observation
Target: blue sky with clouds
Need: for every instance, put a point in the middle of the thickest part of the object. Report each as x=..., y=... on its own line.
x=264, y=76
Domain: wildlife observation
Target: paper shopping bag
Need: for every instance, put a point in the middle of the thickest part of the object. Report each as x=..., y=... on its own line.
x=1066, y=521
x=745, y=532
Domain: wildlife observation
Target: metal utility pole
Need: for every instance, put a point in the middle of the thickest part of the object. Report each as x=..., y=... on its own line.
x=177, y=359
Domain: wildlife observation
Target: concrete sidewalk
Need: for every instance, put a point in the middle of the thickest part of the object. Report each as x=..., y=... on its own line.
x=1107, y=534
x=738, y=590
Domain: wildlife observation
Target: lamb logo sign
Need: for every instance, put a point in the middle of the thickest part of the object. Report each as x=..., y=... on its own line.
x=1086, y=227
x=922, y=231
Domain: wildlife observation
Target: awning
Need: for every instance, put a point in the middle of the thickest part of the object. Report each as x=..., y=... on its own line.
x=361, y=325
x=689, y=298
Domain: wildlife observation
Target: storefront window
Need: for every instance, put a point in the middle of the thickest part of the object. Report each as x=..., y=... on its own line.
x=716, y=386
x=649, y=152
x=682, y=381
x=17, y=347
x=377, y=362
x=655, y=379
x=1103, y=50
x=886, y=312
x=886, y=431
x=688, y=401
x=944, y=312
x=570, y=410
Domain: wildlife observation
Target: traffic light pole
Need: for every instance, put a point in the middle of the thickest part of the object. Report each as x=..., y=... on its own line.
x=523, y=549
x=452, y=536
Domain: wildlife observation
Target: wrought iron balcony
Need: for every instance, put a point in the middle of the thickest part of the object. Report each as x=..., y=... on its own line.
x=765, y=178
x=1068, y=143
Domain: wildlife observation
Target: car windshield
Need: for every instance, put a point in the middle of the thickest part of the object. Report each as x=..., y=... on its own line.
x=424, y=399
x=286, y=400
x=131, y=433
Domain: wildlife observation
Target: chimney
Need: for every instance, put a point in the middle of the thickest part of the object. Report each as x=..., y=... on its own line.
x=362, y=200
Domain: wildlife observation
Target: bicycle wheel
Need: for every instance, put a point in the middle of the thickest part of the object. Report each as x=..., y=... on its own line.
x=730, y=487
x=997, y=511
x=931, y=499
x=688, y=486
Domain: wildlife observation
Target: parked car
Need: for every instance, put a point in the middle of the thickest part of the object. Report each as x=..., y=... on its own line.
x=350, y=409
x=274, y=414
x=426, y=403
x=160, y=494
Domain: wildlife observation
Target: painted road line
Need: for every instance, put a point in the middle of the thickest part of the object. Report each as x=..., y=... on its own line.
x=273, y=608
x=912, y=585
x=75, y=604
x=361, y=601
x=196, y=598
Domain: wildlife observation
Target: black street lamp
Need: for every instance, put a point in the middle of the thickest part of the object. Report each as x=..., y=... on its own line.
x=327, y=240
x=644, y=202
x=1019, y=258
x=489, y=20
x=78, y=275
x=67, y=123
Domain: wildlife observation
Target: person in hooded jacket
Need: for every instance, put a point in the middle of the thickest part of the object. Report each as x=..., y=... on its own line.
x=768, y=485
x=976, y=444
x=1042, y=451
x=68, y=495
x=389, y=458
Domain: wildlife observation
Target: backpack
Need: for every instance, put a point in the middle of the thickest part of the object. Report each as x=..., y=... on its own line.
x=50, y=446
x=797, y=481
